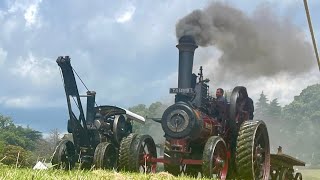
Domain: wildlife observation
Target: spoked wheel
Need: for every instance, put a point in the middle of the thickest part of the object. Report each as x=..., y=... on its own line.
x=105, y=156
x=253, y=151
x=143, y=150
x=285, y=174
x=64, y=156
x=298, y=176
x=215, y=161
x=124, y=152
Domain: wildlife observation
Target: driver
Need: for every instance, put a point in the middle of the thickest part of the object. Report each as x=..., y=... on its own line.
x=221, y=104
x=220, y=97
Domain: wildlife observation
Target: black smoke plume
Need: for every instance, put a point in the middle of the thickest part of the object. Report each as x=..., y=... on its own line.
x=262, y=44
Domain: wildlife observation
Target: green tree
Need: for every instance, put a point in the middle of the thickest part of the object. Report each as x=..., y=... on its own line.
x=17, y=140
x=301, y=123
x=5, y=122
x=274, y=110
x=150, y=127
x=2, y=145
x=142, y=110
x=261, y=110
x=15, y=155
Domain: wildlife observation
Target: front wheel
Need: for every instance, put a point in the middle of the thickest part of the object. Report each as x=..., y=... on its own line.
x=105, y=156
x=143, y=150
x=215, y=160
x=64, y=156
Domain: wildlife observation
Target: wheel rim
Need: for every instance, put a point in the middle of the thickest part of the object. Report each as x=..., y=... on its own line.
x=261, y=151
x=253, y=151
x=109, y=157
x=215, y=159
x=146, y=153
x=285, y=175
x=219, y=161
x=298, y=176
x=64, y=155
x=105, y=156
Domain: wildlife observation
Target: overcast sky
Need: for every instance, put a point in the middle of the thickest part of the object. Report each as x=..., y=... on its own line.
x=124, y=50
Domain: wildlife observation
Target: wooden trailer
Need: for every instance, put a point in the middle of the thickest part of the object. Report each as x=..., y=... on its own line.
x=282, y=166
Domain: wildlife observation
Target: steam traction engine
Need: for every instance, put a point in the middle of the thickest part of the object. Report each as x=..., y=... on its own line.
x=96, y=136
x=202, y=134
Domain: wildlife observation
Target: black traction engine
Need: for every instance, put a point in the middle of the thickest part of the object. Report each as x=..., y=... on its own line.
x=96, y=136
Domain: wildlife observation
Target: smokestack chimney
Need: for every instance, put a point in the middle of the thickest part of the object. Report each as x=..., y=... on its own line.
x=186, y=46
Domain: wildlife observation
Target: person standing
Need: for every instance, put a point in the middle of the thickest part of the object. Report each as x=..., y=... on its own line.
x=219, y=96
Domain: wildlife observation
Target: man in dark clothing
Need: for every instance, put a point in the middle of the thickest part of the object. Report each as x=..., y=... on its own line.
x=249, y=107
x=219, y=95
x=221, y=104
x=246, y=103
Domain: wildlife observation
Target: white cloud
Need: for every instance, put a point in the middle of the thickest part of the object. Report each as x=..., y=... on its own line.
x=28, y=8
x=40, y=71
x=126, y=15
x=10, y=24
x=286, y=2
x=30, y=101
x=3, y=56
x=285, y=87
x=31, y=13
x=170, y=80
x=21, y=102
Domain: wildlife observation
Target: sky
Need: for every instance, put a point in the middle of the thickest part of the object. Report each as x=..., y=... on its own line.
x=124, y=50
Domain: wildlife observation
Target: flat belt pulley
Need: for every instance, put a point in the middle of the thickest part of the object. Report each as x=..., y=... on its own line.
x=119, y=128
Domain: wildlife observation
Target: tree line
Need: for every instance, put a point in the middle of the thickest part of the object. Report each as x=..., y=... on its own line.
x=294, y=126
x=23, y=146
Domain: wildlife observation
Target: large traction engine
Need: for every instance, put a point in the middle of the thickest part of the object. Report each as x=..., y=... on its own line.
x=203, y=135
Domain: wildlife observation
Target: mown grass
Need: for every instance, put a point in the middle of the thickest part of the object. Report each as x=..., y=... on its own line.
x=7, y=173
x=310, y=174
x=11, y=173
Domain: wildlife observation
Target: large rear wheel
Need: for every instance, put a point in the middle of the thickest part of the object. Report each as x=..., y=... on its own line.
x=253, y=151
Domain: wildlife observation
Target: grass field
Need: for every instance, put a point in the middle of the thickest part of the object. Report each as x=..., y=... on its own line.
x=7, y=173
x=310, y=174
x=17, y=174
